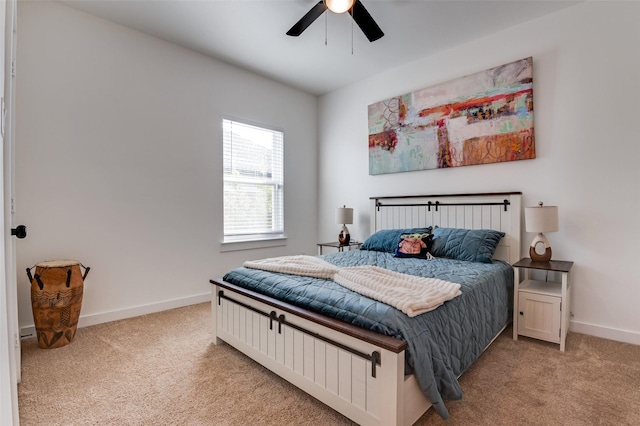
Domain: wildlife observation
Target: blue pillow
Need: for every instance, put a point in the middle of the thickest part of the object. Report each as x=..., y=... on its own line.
x=387, y=239
x=474, y=245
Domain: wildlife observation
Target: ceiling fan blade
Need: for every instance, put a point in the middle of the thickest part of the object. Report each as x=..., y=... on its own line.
x=307, y=19
x=365, y=21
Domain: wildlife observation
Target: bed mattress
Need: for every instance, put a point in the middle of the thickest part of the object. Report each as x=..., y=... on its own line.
x=441, y=344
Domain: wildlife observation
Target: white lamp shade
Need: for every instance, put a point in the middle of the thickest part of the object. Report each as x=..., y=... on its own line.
x=541, y=219
x=344, y=215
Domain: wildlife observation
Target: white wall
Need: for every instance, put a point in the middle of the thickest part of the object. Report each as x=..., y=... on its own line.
x=118, y=160
x=586, y=91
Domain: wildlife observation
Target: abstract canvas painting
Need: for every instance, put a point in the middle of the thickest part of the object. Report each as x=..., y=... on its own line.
x=478, y=119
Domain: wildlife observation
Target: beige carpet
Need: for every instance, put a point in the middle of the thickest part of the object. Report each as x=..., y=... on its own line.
x=161, y=369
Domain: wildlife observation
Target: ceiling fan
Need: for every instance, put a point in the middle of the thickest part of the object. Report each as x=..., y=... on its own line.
x=355, y=8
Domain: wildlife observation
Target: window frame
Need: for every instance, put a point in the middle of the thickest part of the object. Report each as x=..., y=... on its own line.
x=260, y=239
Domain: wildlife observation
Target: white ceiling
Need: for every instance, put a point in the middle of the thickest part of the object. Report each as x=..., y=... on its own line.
x=251, y=33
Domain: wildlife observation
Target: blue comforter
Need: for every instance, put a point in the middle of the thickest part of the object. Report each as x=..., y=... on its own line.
x=442, y=344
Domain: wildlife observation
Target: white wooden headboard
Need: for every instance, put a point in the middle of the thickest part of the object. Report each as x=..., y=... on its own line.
x=501, y=211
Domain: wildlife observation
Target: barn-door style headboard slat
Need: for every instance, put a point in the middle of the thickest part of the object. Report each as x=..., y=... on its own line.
x=499, y=211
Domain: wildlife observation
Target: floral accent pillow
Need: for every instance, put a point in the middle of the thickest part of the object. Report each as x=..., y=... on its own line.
x=414, y=245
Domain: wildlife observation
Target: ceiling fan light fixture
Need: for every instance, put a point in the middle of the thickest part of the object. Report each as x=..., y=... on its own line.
x=339, y=6
x=355, y=8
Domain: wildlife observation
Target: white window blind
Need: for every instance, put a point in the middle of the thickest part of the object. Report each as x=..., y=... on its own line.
x=253, y=181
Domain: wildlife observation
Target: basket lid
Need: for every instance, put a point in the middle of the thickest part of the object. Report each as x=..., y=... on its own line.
x=57, y=263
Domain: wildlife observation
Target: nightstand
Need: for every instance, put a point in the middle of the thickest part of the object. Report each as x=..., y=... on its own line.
x=336, y=244
x=541, y=308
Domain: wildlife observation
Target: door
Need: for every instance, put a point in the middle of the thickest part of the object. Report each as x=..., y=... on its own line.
x=6, y=127
x=9, y=329
x=539, y=316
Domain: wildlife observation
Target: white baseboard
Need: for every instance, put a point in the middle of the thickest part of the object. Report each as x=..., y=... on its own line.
x=93, y=319
x=610, y=333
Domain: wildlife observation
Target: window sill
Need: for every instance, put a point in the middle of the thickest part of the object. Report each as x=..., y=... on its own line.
x=251, y=244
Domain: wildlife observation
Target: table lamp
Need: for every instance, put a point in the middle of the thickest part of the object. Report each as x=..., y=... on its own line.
x=541, y=219
x=344, y=215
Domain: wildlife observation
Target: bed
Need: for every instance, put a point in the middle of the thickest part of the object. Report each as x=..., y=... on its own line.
x=363, y=358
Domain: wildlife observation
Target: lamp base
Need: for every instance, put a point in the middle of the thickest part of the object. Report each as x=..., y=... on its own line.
x=343, y=236
x=540, y=257
x=544, y=257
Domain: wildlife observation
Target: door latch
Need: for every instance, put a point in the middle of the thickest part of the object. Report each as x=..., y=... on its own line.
x=20, y=231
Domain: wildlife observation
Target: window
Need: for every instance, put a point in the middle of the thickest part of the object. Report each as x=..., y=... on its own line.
x=253, y=181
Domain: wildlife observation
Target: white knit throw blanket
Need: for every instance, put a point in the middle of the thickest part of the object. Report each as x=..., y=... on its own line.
x=308, y=266
x=411, y=294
